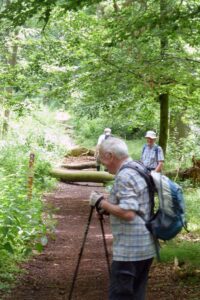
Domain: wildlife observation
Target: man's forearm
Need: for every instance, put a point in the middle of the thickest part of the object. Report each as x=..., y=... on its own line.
x=159, y=167
x=117, y=211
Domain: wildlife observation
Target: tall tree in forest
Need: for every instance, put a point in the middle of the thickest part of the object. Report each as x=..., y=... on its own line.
x=123, y=55
x=163, y=97
x=9, y=90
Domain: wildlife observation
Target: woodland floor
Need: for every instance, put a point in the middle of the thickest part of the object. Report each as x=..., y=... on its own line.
x=48, y=276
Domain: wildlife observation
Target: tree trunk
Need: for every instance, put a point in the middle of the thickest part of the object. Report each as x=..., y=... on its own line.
x=12, y=61
x=192, y=173
x=81, y=176
x=164, y=97
x=5, y=124
x=115, y=6
x=164, y=120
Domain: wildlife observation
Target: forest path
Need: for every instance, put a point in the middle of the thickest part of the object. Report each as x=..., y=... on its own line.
x=48, y=276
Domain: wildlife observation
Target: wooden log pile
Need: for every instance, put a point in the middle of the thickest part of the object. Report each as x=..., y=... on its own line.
x=77, y=170
x=85, y=171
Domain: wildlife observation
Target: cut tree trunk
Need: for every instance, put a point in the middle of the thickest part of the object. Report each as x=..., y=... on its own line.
x=85, y=165
x=192, y=173
x=81, y=176
x=65, y=175
x=80, y=151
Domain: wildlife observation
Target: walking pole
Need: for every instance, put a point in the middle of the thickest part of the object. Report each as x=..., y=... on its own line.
x=101, y=219
x=81, y=252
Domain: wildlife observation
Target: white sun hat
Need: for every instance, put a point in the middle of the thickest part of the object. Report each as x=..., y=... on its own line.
x=107, y=130
x=151, y=134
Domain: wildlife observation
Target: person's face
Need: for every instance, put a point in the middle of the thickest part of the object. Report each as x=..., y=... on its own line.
x=150, y=141
x=108, y=160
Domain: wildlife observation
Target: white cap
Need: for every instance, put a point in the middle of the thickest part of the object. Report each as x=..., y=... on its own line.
x=107, y=130
x=151, y=134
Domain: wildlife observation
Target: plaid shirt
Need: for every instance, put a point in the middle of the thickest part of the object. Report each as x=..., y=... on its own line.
x=131, y=240
x=151, y=156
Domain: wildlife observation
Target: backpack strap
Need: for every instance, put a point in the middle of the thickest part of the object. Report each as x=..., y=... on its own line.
x=108, y=136
x=143, y=149
x=144, y=173
x=156, y=151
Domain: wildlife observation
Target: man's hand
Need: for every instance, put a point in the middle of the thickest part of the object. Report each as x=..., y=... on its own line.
x=95, y=198
x=95, y=201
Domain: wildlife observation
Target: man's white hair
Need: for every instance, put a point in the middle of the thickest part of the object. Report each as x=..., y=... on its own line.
x=116, y=146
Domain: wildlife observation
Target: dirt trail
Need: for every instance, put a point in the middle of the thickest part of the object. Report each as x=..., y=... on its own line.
x=49, y=275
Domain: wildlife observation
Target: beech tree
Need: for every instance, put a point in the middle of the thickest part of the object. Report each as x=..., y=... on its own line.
x=128, y=59
x=140, y=51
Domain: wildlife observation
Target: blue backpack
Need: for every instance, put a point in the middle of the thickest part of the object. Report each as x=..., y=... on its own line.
x=169, y=218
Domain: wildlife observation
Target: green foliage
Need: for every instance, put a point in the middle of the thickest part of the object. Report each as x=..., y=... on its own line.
x=87, y=130
x=24, y=222
x=186, y=251
x=135, y=148
x=105, y=63
x=114, y=43
x=192, y=203
x=181, y=151
x=9, y=269
x=18, y=12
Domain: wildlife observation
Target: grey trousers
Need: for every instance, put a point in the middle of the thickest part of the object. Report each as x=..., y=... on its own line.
x=129, y=280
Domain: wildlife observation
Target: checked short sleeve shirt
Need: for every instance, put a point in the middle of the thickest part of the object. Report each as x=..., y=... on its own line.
x=131, y=240
x=151, y=156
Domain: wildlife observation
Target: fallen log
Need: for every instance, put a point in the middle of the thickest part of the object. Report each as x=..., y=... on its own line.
x=80, y=151
x=84, y=165
x=94, y=176
x=81, y=176
x=192, y=173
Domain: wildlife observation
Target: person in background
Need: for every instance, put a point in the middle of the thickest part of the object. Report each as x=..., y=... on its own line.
x=102, y=137
x=133, y=246
x=152, y=155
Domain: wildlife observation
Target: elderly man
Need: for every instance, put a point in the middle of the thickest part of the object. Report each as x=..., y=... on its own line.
x=133, y=246
x=152, y=154
x=102, y=137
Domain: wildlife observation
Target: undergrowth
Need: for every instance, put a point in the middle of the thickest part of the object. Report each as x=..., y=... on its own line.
x=23, y=227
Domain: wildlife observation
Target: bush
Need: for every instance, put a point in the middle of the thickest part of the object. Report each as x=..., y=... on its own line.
x=22, y=223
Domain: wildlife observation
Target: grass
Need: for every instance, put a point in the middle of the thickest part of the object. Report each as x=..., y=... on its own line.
x=186, y=246
x=192, y=196
x=186, y=251
x=9, y=270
